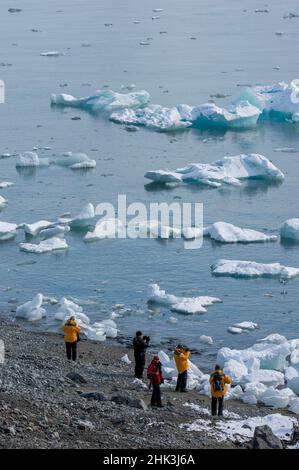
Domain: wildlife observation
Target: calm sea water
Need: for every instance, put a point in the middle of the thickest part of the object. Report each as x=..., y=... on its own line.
x=234, y=46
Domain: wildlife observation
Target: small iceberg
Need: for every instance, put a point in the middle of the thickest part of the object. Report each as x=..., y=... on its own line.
x=290, y=230
x=251, y=269
x=7, y=231
x=84, y=219
x=185, y=305
x=247, y=325
x=229, y=170
x=206, y=339
x=5, y=184
x=35, y=228
x=31, y=159
x=242, y=115
x=74, y=161
x=229, y=233
x=50, y=244
x=52, y=54
x=105, y=228
x=103, y=100
x=56, y=231
x=32, y=310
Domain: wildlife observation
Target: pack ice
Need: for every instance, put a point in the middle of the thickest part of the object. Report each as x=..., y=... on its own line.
x=185, y=305
x=290, y=230
x=7, y=231
x=229, y=170
x=247, y=269
x=103, y=100
x=229, y=233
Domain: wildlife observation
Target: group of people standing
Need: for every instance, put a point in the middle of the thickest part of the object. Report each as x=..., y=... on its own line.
x=218, y=380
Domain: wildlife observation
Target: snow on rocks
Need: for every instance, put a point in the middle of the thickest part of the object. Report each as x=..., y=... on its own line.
x=32, y=310
x=252, y=269
x=84, y=219
x=229, y=233
x=7, y=231
x=242, y=430
x=229, y=170
x=103, y=100
x=50, y=244
x=31, y=159
x=186, y=305
x=290, y=230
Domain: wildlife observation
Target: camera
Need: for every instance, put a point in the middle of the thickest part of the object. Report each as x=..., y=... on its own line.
x=146, y=338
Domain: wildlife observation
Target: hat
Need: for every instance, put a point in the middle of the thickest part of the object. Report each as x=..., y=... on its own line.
x=156, y=358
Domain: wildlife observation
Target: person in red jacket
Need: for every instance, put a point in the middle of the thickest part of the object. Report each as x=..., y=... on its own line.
x=156, y=379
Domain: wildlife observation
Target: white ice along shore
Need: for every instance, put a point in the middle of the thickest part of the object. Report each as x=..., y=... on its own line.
x=267, y=373
x=279, y=102
x=229, y=170
x=229, y=233
x=185, y=305
x=251, y=269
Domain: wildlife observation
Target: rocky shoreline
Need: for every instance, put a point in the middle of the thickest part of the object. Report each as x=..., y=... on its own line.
x=47, y=402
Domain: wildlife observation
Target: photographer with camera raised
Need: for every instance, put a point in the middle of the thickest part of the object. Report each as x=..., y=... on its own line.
x=181, y=355
x=140, y=344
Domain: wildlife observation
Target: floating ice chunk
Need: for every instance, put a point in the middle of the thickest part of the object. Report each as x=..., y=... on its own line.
x=206, y=339
x=84, y=219
x=159, y=295
x=192, y=305
x=247, y=269
x=56, y=231
x=7, y=231
x=105, y=228
x=154, y=117
x=32, y=310
x=51, y=54
x=34, y=229
x=31, y=159
x=106, y=100
x=5, y=184
x=274, y=339
x=74, y=161
x=190, y=233
x=229, y=233
x=234, y=330
x=243, y=115
x=126, y=359
x=278, y=102
x=50, y=244
x=3, y=202
x=246, y=325
x=290, y=230
x=172, y=320
x=229, y=170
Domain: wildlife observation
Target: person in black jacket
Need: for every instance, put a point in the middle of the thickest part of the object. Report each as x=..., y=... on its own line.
x=140, y=344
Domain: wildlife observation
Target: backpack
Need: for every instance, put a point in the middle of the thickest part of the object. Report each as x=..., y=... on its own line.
x=218, y=383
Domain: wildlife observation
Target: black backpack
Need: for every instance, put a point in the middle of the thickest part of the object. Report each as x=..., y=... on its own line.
x=218, y=382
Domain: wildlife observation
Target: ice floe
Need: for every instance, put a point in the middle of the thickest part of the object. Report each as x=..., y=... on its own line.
x=35, y=228
x=7, y=231
x=229, y=170
x=251, y=269
x=185, y=305
x=31, y=159
x=74, y=161
x=32, y=310
x=52, y=54
x=50, y=244
x=229, y=233
x=55, y=231
x=3, y=202
x=84, y=219
x=5, y=184
x=103, y=100
x=290, y=230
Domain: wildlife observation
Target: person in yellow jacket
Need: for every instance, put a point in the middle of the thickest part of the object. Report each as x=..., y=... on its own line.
x=218, y=382
x=181, y=355
x=71, y=338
